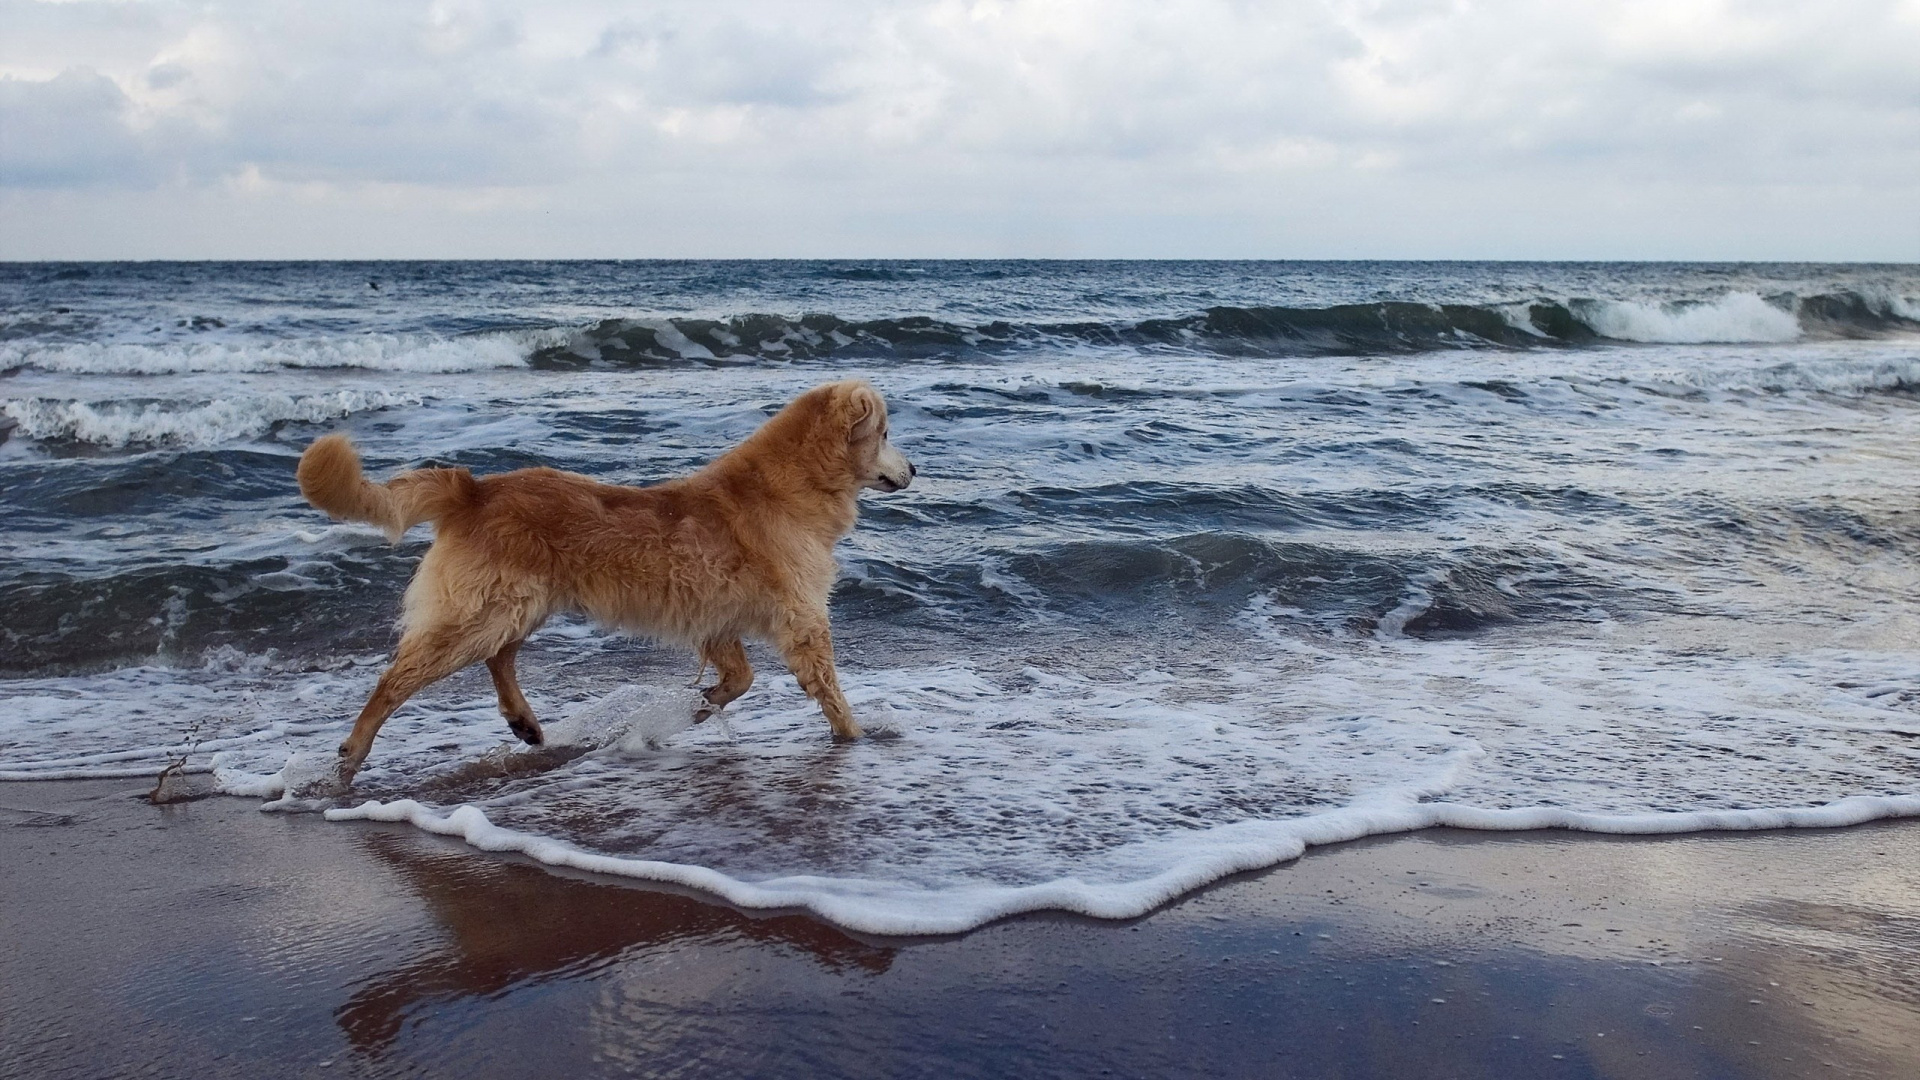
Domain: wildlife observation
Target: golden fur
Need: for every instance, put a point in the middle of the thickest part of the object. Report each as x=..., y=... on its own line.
x=742, y=548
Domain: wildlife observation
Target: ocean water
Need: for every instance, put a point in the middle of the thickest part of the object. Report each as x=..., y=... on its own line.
x=1206, y=563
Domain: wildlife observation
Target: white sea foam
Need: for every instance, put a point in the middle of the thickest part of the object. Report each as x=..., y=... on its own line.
x=671, y=337
x=1415, y=603
x=1021, y=790
x=995, y=575
x=1886, y=300
x=633, y=718
x=1520, y=317
x=417, y=353
x=1813, y=373
x=894, y=908
x=129, y=722
x=306, y=778
x=188, y=423
x=1734, y=318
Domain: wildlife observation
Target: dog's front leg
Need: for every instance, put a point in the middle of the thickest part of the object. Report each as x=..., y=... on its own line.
x=806, y=644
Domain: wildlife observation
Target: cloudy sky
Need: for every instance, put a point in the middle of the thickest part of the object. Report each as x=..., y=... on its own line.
x=1766, y=129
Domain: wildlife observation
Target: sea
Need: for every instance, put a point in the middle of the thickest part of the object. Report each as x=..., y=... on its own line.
x=1207, y=563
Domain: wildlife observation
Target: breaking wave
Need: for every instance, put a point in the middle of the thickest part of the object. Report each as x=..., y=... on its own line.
x=1346, y=329
x=121, y=424
x=415, y=353
x=1392, y=327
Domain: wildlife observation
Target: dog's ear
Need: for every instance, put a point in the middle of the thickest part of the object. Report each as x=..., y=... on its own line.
x=865, y=409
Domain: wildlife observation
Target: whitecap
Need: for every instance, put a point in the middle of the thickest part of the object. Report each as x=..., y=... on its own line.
x=1733, y=318
x=416, y=353
x=188, y=423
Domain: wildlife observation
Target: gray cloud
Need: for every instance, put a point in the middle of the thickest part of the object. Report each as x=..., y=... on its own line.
x=941, y=126
x=67, y=130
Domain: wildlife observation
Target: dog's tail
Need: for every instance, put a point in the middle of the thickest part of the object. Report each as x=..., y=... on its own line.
x=331, y=479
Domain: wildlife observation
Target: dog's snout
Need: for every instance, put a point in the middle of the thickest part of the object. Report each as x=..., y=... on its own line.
x=891, y=470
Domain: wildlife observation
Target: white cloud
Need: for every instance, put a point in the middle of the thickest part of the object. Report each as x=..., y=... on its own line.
x=1126, y=127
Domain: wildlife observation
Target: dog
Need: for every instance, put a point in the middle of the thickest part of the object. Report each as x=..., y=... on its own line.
x=743, y=548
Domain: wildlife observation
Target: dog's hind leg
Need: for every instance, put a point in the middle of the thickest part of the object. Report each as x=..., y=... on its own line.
x=806, y=644
x=424, y=657
x=513, y=704
x=729, y=660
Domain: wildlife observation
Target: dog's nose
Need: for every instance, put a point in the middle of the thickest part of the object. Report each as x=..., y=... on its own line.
x=912, y=470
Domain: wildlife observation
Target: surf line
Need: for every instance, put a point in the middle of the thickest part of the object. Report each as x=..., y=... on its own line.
x=887, y=909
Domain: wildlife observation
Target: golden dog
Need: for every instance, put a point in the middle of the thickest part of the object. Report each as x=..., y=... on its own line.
x=742, y=548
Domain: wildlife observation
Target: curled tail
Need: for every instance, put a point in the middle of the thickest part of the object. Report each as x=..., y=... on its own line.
x=331, y=479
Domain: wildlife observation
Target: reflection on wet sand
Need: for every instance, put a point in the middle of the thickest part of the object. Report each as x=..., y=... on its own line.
x=508, y=925
x=1848, y=974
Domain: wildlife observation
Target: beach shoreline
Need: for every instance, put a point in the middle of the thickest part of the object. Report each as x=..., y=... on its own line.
x=208, y=939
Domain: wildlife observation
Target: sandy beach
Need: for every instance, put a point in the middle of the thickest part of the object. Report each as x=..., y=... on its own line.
x=207, y=939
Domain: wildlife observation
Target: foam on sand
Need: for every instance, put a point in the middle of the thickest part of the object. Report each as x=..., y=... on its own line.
x=881, y=907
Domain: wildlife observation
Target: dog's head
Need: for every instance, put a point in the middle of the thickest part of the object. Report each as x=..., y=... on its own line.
x=876, y=464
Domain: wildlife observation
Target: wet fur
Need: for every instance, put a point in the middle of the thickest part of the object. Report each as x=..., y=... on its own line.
x=741, y=549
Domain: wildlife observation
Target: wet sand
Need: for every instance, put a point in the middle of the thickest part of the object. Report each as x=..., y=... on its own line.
x=207, y=939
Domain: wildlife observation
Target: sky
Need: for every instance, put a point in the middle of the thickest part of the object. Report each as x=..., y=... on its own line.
x=1495, y=129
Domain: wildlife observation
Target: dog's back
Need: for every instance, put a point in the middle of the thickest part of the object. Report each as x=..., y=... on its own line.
x=665, y=562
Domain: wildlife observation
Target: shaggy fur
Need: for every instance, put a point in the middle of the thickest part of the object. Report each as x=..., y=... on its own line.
x=741, y=549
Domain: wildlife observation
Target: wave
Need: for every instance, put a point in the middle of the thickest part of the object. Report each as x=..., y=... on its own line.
x=120, y=424
x=311, y=609
x=1247, y=507
x=1341, y=585
x=1131, y=557
x=1390, y=327
x=1838, y=376
x=1347, y=329
x=326, y=602
x=415, y=353
x=53, y=493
